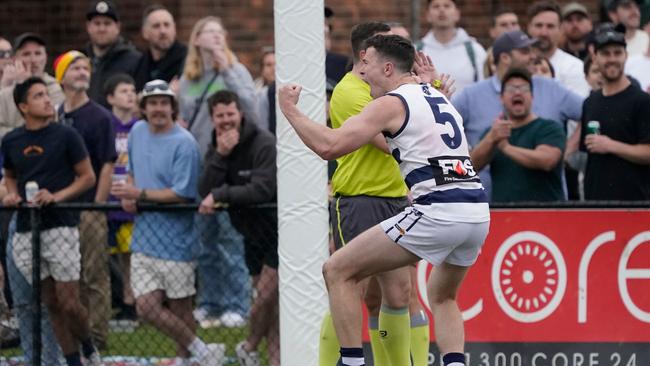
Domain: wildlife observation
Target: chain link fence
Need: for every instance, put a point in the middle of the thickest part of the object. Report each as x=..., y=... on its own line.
x=148, y=285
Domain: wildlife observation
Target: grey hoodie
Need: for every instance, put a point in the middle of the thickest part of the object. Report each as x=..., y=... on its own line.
x=453, y=57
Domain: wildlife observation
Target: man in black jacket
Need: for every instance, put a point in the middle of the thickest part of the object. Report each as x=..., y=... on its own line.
x=109, y=53
x=239, y=170
x=165, y=56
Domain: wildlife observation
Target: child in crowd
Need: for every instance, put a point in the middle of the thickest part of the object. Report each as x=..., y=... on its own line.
x=120, y=94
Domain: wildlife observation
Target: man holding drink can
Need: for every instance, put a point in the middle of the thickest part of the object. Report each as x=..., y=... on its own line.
x=52, y=158
x=616, y=128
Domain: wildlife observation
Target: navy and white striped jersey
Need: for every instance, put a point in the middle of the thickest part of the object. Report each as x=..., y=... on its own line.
x=433, y=156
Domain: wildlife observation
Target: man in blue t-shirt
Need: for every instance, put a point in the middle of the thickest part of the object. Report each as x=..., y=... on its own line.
x=164, y=168
x=54, y=157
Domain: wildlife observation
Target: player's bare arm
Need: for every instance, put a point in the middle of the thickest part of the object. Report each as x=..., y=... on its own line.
x=382, y=114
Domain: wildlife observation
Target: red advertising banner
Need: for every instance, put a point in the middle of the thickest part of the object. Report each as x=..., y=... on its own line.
x=560, y=288
x=561, y=276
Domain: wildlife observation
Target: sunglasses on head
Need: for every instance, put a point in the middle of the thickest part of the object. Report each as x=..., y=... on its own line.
x=148, y=88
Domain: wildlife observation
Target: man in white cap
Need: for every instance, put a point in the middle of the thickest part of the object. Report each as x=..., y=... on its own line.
x=164, y=165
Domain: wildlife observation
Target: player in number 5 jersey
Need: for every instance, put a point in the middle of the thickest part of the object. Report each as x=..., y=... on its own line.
x=449, y=219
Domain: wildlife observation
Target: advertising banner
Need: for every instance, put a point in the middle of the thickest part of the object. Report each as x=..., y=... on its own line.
x=558, y=288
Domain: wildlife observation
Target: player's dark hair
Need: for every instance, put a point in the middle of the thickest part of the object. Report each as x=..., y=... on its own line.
x=22, y=89
x=517, y=73
x=362, y=32
x=396, y=48
x=223, y=97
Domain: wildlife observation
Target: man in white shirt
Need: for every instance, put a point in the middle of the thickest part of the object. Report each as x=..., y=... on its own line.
x=627, y=12
x=451, y=49
x=637, y=66
x=544, y=25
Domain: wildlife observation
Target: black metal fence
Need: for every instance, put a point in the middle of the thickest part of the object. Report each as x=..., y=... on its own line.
x=218, y=273
x=149, y=285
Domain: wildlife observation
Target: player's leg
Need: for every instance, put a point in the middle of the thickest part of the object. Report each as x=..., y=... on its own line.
x=442, y=290
x=419, y=325
x=369, y=253
x=446, y=278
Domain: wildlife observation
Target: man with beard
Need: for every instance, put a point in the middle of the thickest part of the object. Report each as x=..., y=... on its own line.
x=544, y=25
x=480, y=104
x=164, y=168
x=576, y=25
x=95, y=125
x=108, y=51
x=165, y=56
x=616, y=129
x=524, y=151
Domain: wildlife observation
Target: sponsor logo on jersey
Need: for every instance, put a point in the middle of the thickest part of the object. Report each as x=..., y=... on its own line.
x=453, y=169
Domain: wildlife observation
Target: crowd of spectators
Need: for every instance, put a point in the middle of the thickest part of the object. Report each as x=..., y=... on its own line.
x=557, y=112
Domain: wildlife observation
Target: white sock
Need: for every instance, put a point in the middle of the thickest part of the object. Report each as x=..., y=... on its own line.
x=197, y=348
x=353, y=361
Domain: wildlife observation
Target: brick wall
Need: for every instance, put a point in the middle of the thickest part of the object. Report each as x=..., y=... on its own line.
x=249, y=22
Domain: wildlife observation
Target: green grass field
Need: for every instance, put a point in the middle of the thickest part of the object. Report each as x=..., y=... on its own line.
x=147, y=342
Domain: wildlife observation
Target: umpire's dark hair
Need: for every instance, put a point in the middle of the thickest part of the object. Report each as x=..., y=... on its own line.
x=517, y=73
x=21, y=90
x=542, y=6
x=362, y=32
x=223, y=97
x=398, y=49
x=111, y=84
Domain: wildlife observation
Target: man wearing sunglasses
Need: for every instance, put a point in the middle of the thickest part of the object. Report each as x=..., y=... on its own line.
x=29, y=59
x=524, y=151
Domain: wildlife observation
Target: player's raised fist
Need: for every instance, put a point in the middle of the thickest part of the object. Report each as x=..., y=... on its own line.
x=288, y=95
